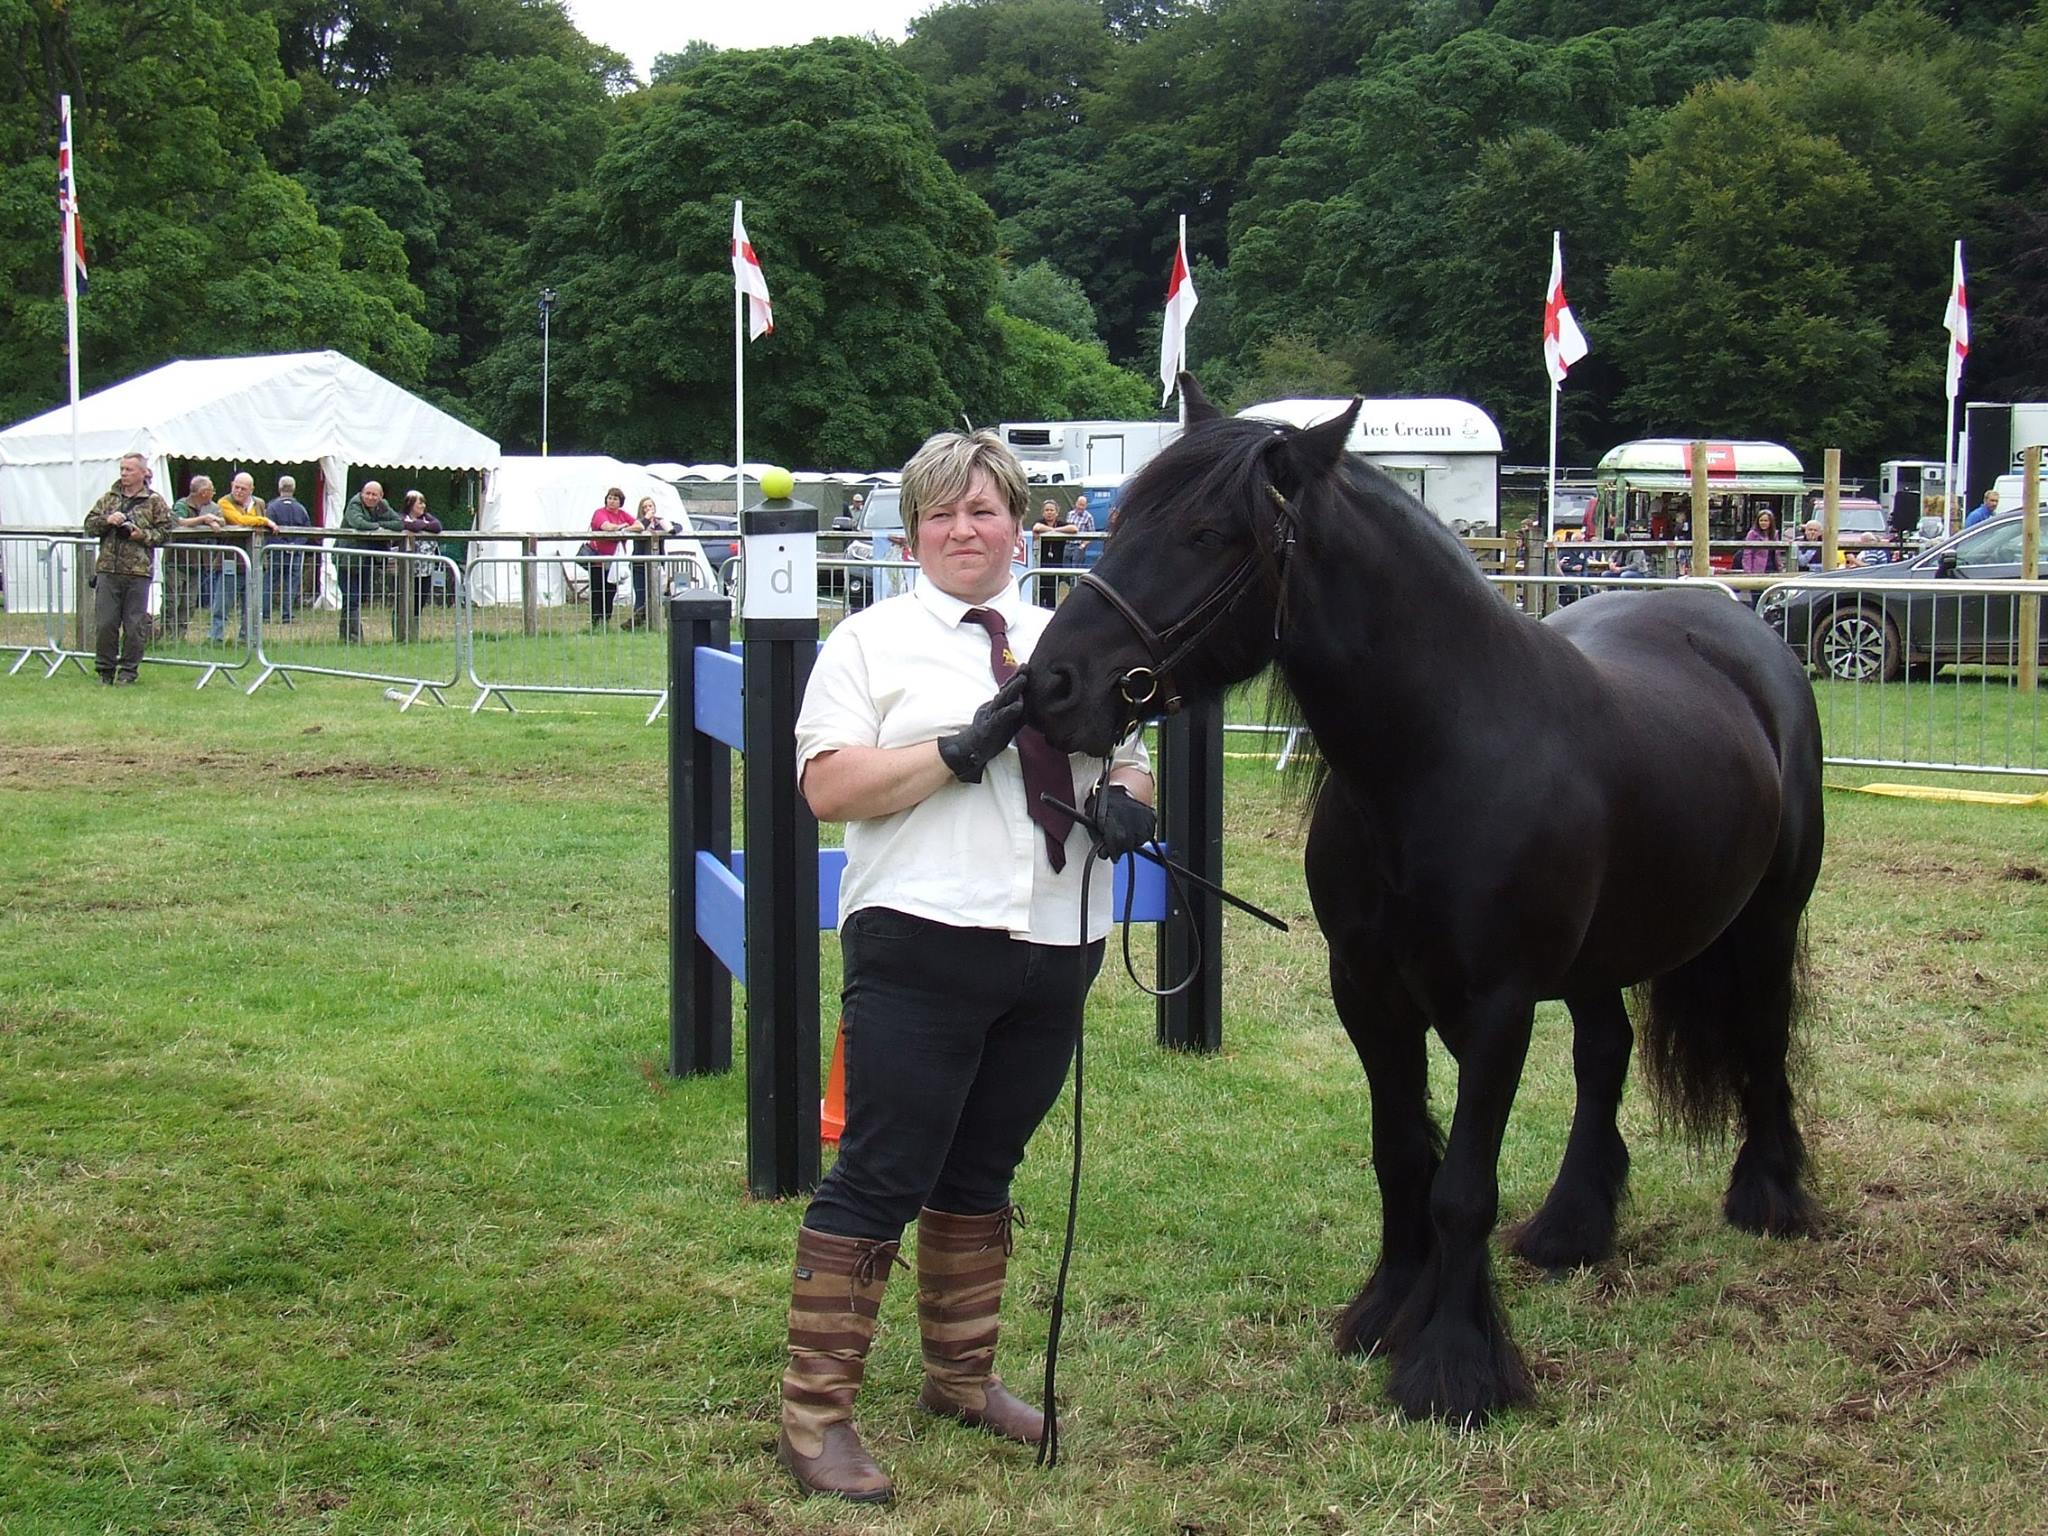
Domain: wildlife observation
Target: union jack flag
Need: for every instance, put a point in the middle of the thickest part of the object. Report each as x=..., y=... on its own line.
x=67, y=194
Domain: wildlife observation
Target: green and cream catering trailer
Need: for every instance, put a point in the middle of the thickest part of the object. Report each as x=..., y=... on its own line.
x=1645, y=489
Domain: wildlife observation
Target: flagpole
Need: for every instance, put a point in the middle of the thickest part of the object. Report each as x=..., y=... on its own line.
x=1550, y=478
x=1181, y=395
x=1952, y=375
x=739, y=389
x=70, y=238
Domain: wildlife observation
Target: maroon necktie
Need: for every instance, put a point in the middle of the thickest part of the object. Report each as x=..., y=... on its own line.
x=1046, y=769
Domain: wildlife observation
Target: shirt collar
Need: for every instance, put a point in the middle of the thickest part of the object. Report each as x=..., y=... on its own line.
x=949, y=610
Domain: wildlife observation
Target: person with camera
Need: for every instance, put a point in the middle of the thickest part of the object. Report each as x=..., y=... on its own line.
x=130, y=521
x=966, y=957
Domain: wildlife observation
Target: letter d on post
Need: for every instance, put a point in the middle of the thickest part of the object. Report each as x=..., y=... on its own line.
x=779, y=619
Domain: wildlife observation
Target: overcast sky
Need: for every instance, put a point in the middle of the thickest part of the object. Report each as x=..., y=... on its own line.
x=642, y=28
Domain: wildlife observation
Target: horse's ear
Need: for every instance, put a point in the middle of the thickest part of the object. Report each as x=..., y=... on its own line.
x=1196, y=403
x=1314, y=452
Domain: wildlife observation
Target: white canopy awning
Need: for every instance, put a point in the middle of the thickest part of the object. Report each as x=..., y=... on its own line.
x=282, y=409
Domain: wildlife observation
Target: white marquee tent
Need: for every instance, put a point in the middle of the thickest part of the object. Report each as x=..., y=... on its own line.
x=286, y=408
x=557, y=494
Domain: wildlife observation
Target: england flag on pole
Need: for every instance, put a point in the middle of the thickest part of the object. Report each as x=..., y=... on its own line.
x=1563, y=342
x=1181, y=300
x=67, y=196
x=1958, y=322
x=748, y=278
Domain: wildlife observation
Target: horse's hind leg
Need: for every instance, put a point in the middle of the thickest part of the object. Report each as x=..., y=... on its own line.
x=1576, y=1223
x=1765, y=1193
x=1390, y=1037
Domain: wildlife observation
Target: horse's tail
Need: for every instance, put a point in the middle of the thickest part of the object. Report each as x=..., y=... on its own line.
x=1730, y=1013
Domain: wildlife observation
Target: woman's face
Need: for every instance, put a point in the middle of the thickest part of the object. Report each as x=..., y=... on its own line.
x=646, y=505
x=614, y=499
x=963, y=546
x=1768, y=523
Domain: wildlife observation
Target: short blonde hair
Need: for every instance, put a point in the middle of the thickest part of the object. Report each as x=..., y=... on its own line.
x=939, y=472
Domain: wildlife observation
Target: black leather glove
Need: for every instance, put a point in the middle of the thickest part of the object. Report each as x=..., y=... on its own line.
x=1126, y=822
x=994, y=727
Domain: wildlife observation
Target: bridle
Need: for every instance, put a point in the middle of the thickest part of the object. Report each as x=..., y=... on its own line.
x=1142, y=686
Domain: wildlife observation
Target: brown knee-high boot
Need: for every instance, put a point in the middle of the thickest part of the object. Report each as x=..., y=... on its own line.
x=833, y=1302
x=961, y=1265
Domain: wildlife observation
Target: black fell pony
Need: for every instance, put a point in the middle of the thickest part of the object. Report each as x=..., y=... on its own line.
x=1626, y=795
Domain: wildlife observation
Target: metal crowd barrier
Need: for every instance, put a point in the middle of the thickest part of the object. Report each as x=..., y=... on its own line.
x=195, y=576
x=1930, y=673
x=554, y=631
x=400, y=619
x=50, y=586
x=42, y=578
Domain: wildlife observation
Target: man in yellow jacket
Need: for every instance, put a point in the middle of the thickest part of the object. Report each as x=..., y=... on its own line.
x=242, y=509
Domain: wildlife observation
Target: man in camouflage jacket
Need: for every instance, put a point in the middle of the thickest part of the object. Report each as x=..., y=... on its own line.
x=129, y=521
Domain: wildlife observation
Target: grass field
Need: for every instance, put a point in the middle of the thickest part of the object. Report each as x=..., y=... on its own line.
x=342, y=1188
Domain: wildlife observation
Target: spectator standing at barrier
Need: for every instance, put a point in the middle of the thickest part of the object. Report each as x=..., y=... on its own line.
x=1047, y=539
x=359, y=551
x=1762, y=559
x=1987, y=508
x=285, y=561
x=417, y=577
x=129, y=521
x=964, y=957
x=241, y=508
x=1810, y=547
x=653, y=529
x=187, y=572
x=610, y=517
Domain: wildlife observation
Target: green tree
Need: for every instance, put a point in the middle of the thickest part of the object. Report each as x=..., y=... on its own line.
x=882, y=265
x=198, y=248
x=1741, y=315
x=670, y=67
x=1048, y=376
x=1046, y=296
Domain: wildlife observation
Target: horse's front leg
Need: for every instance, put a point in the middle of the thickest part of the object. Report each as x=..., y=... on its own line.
x=1391, y=1037
x=1453, y=1356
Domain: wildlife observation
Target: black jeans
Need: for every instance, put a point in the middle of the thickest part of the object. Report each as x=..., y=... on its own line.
x=602, y=592
x=120, y=623
x=957, y=1043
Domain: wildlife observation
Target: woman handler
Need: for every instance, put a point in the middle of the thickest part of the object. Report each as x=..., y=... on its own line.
x=964, y=970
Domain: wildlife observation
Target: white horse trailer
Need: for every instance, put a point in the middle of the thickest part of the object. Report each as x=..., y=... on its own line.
x=1085, y=450
x=1446, y=453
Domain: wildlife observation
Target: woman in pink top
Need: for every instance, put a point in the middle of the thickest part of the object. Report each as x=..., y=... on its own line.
x=610, y=517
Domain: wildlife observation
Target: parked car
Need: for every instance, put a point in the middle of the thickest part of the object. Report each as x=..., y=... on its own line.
x=1854, y=625
x=720, y=534
x=1862, y=526
x=879, y=527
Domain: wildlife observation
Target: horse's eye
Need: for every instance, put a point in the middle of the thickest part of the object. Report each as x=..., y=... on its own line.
x=1208, y=538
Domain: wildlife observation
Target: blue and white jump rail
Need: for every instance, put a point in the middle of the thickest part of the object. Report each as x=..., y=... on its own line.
x=767, y=906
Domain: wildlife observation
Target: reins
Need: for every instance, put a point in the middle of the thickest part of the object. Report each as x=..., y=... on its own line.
x=1138, y=687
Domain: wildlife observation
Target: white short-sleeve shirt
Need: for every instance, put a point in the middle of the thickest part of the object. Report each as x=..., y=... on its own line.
x=911, y=669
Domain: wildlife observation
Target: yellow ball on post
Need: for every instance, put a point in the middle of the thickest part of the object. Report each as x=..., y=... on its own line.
x=776, y=484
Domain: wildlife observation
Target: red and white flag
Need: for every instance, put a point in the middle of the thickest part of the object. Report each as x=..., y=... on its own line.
x=1181, y=300
x=748, y=279
x=1563, y=342
x=1958, y=322
x=67, y=202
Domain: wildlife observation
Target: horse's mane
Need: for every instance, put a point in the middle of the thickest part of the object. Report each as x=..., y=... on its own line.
x=1230, y=463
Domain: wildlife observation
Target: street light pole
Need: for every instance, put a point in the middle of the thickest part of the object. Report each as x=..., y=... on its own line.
x=547, y=308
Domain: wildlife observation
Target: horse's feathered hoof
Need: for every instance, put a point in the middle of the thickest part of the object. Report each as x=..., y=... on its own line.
x=1559, y=1240
x=1771, y=1208
x=1461, y=1375
x=1366, y=1322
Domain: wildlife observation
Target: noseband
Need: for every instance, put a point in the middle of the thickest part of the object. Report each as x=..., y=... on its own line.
x=1141, y=687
